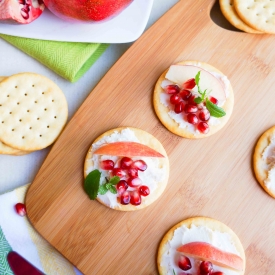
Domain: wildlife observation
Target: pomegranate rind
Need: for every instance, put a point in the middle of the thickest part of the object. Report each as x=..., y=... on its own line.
x=10, y=11
x=94, y=10
x=207, y=252
x=162, y=111
x=212, y=224
x=127, y=149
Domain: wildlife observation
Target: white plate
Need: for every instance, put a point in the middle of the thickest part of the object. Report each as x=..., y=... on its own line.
x=125, y=27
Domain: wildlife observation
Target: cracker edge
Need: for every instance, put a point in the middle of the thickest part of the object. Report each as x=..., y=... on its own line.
x=159, y=148
x=261, y=174
x=205, y=221
x=162, y=111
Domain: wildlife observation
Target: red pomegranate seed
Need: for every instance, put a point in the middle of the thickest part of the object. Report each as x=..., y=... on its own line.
x=125, y=198
x=192, y=118
x=203, y=127
x=133, y=172
x=135, y=198
x=125, y=163
x=122, y=186
x=107, y=164
x=172, y=89
x=20, y=209
x=206, y=268
x=144, y=190
x=214, y=100
x=189, y=108
x=119, y=172
x=179, y=107
x=184, y=263
x=175, y=98
x=185, y=94
x=204, y=115
x=191, y=100
x=134, y=182
x=189, y=84
x=217, y=273
x=140, y=165
x=200, y=105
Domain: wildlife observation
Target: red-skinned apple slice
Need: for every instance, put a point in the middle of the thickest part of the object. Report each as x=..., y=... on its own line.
x=207, y=252
x=182, y=73
x=127, y=149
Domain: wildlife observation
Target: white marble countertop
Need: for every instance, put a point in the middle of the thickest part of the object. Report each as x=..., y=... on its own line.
x=16, y=171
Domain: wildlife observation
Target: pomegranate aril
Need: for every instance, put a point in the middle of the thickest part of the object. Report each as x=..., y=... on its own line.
x=125, y=163
x=191, y=100
x=189, y=84
x=190, y=108
x=192, y=118
x=214, y=100
x=184, y=263
x=134, y=182
x=107, y=164
x=121, y=186
x=217, y=273
x=174, y=99
x=125, y=198
x=203, y=127
x=204, y=115
x=140, y=165
x=206, y=268
x=132, y=172
x=185, y=94
x=172, y=89
x=144, y=190
x=135, y=198
x=179, y=107
x=20, y=209
x=118, y=172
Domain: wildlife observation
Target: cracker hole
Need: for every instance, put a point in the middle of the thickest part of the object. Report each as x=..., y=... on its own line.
x=40, y=135
x=35, y=101
x=38, y=118
x=25, y=94
x=12, y=129
x=28, y=111
x=45, y=109
x=15, y=87
x=52, y=100
x=2, y=121
x=48, y=126
x=30, y=128
x=10, y=113
x=8, y=95
x=18, y=103
x=20, y=120
x=32, y=85
x=43, y=93
x=23, y=137
x=54, y=116
x=0, y=105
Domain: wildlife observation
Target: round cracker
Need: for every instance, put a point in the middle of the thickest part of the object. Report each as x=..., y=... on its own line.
x=214, y=225
x=259, y=15
x=228, y=10
x=171, y=125
x=33, y=111
x=258, y=162
x=152, y=142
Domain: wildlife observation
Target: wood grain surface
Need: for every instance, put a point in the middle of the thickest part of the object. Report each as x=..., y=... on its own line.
x=210, y=177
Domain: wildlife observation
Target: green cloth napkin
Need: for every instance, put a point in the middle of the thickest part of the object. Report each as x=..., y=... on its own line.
x=70, y=60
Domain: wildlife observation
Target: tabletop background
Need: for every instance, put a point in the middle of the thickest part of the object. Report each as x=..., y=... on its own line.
x=16, y=171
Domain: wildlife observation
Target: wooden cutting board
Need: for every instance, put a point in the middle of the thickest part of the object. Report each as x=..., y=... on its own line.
x=209, y=177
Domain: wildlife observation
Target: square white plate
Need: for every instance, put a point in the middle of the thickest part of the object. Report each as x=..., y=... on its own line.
x=125, y=27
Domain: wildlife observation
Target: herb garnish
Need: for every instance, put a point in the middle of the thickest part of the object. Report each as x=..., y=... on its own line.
x=213, y=109
x=92, y=186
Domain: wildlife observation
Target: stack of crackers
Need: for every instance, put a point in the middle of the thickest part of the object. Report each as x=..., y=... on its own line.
x=251, y=16
x=33, y=112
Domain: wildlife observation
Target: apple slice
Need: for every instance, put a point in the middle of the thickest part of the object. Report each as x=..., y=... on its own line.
x=207, y=252
x=127, y=149
x=181, y=73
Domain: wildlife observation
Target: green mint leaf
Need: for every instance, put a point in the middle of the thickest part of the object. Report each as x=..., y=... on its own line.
x=214, y=110
x=114, y=180
x=91, y=184
x=174, y=272
x=197, y=78
x=111, y=188
x=198, y=100
x=102, y=189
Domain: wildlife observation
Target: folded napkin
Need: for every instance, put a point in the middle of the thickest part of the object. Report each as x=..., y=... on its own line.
x=68, y=59
x=16, y=233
